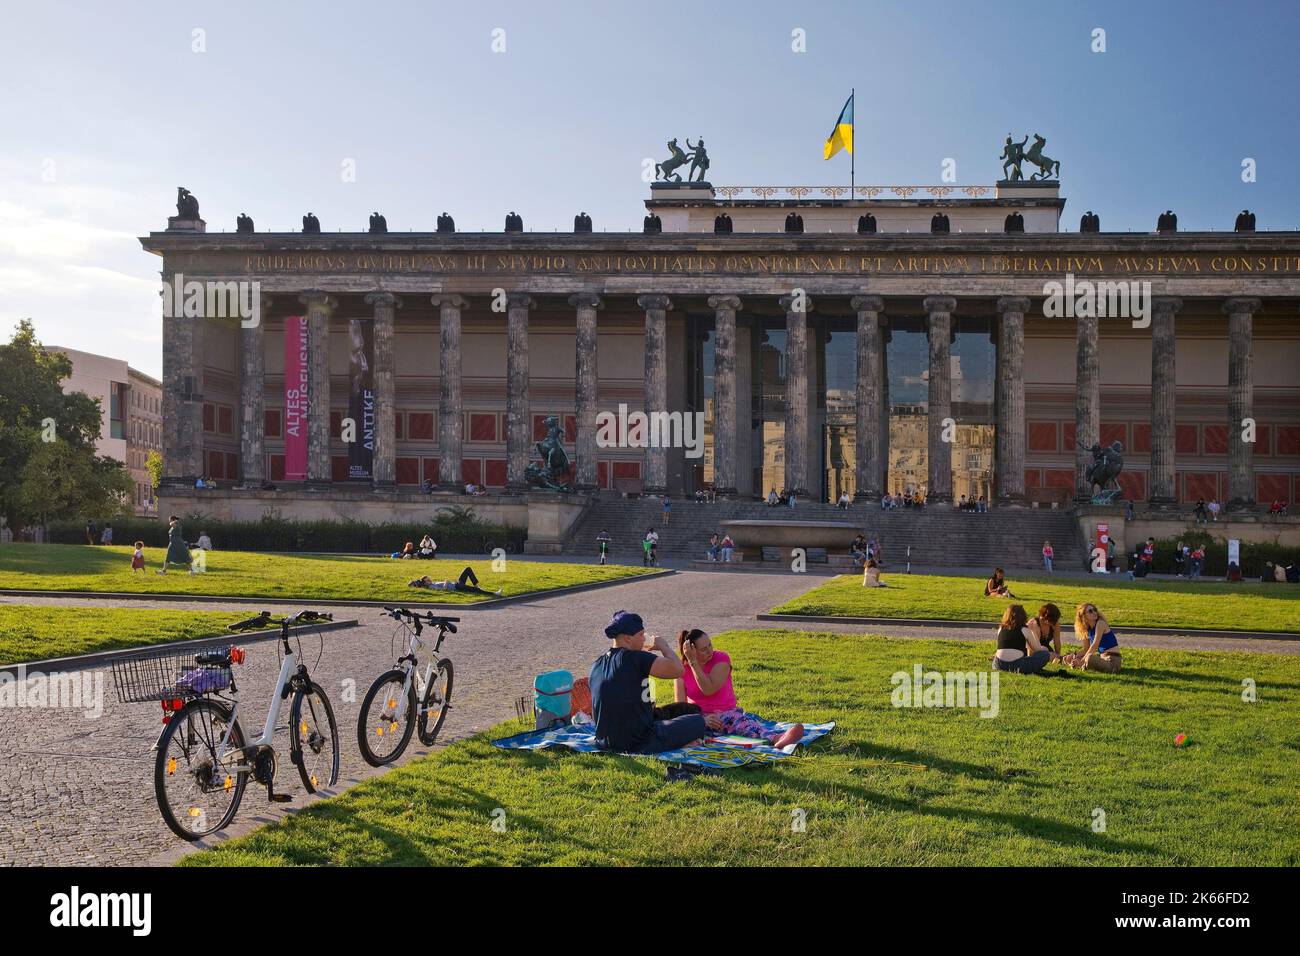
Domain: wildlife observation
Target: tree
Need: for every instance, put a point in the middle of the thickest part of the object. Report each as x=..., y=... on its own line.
x=48, y=462
x=153, y=464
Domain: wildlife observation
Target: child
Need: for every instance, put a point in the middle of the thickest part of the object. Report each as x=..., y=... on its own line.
x=137, y=557
x=706, y=681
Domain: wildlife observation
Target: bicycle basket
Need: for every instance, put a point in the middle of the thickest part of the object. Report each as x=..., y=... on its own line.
x=168, y=675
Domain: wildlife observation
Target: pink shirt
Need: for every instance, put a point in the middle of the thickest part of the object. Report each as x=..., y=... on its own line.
x=721, y=700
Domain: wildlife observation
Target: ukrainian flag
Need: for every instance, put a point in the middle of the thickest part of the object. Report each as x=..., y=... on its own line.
x=842, y=135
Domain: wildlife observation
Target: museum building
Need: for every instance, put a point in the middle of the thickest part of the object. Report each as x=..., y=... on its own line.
x=895, y=339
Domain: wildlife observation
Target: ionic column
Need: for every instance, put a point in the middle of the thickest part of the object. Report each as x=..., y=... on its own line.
x=867, y=424
x=724, y=393
x=1011, y=399
x=182, y=402
x=252, y=395
x=586, y=389
x=450, y=418
x=519, y=431
x=1241, y=400
x=384, y=468
x=796, y=308
x=1087, y=402
x=320, y=306
x=885, y=336
x=655, y=479
x=1163, y=404
x=939, y=308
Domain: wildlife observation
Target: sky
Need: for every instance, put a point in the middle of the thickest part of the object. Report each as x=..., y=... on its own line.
x=551, y=108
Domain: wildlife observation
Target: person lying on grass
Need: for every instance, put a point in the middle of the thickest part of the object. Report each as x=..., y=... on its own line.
x=1100, y=644
x=706, y=682
x=467, y=584
x=996, y=586
x=1018, y=647
x=623, y=708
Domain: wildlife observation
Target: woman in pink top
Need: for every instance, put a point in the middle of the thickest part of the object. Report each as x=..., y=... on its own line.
x=706, y=682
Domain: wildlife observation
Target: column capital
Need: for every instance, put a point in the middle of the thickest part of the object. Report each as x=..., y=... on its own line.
x=788, y=303
x=1013, y=303
x=1166, y=303
x=519, y=300
x=449, y=300
x=383, y=299
x=1239, y=304
x=937, y=304
x=655, y=302
x=316, y=299
x=724, y=303
x=867, y=303
x=586, y=300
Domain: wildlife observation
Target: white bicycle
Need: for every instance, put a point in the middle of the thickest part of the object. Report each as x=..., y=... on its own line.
x=203, y=760
x=388, y=712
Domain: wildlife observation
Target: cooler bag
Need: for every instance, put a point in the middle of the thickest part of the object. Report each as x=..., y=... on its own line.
x=553, y=691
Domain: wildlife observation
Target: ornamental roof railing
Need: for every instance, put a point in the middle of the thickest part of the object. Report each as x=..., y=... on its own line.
x=842, y=192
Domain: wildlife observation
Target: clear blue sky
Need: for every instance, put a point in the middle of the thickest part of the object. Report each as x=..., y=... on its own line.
x=106, y=109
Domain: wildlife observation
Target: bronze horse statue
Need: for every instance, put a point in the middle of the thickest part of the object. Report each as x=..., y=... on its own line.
x=553, y=473
x=678, y=159
x=1047, y=167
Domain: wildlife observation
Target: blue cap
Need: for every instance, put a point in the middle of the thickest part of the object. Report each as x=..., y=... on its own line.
x=624, y=622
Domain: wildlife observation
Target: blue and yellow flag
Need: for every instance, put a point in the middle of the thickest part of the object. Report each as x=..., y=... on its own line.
x=842, y=135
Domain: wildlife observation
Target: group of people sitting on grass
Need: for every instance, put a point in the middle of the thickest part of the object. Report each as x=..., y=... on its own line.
x=626, y=719
x=1027, y=645
x=427, y=551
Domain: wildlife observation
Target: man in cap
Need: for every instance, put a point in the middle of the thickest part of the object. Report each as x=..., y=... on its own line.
x=621, y=696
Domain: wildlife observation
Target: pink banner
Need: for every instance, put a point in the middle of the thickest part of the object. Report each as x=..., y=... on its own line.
x=296, y=398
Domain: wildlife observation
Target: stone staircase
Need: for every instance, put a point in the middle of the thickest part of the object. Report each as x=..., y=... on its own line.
x=939, y=537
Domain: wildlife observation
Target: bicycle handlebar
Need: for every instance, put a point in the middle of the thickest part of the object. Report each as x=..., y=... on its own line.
x=265, y=618
x=428, y=617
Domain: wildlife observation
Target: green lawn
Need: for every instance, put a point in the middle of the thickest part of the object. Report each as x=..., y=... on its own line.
x=1019, y=788
x=1250, y=607
x=39, y=633
x=71, y=567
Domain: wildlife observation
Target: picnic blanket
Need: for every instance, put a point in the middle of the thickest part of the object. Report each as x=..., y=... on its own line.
x=714, y=752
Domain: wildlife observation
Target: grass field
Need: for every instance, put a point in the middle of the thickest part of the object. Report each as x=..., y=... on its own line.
x=69, y=567
x=39, y=633
x=1246, y=607
x=1021, y=788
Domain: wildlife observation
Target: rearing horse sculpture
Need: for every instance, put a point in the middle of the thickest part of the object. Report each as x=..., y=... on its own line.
x=1047, y=167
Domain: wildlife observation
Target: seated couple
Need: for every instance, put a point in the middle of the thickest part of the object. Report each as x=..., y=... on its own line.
x=1027, y=645
x=627, y=720
x=466, y=584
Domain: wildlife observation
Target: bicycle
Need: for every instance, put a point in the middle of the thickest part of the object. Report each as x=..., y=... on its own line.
x=388, y=711
x=203, y=760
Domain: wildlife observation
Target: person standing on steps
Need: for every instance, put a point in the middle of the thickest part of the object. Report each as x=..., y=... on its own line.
x=668, y=509
x=1048, y=554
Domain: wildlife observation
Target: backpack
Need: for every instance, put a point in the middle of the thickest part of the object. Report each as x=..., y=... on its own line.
x=553, y=693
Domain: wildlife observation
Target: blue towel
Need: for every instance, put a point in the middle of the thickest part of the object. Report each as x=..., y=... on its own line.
x=582, y=739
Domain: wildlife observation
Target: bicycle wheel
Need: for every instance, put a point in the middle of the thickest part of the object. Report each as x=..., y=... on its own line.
x=196, y=795
x=386, y=720
x=437, y=698
x=314, y=744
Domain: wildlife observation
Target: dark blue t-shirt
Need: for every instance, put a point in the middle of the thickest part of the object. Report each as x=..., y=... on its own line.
x=620, y=697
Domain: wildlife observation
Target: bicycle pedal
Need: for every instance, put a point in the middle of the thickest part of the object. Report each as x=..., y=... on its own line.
x=279, y=797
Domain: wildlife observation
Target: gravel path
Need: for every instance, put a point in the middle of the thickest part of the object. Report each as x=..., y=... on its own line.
x=75, y=790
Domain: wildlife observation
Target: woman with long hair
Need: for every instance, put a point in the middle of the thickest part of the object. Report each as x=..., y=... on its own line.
x=996, y=586
x=1046, y=626
x=1100, y=644
x=1018, y=646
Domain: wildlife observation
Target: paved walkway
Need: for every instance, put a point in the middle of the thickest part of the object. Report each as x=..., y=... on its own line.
x=80, y=791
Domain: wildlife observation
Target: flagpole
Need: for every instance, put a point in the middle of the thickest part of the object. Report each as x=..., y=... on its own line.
x=853, y=152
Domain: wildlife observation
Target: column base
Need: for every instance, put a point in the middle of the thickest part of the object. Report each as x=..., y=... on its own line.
x=387, y=486
x=860, y=496
x=452, y=486
x=1013, y=500
x=939, y=498
x=584, y=487
x=1241, y=505
x=1162, y=504
x=317, y=484
x=655, y=491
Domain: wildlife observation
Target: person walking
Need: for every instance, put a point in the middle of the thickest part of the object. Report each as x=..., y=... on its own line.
x=178, y=552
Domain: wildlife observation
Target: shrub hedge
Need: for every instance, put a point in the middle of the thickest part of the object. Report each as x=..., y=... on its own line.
x=456, y=529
